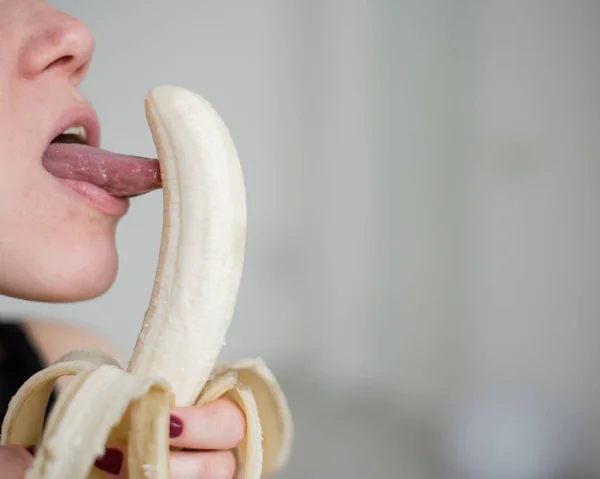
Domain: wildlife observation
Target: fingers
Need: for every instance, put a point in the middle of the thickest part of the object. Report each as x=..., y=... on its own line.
x=184, y=464
x=14, y=462
x=208, y=465
x=220, y=425
x=210, y=432
x=112, y=461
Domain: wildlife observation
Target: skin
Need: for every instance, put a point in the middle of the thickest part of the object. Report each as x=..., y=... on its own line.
x=55, y=246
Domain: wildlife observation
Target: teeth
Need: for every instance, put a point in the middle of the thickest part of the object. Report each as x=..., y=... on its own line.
x=78, y=131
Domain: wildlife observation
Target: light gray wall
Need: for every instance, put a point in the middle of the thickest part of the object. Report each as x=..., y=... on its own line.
x=534, y=196
x=422, y=183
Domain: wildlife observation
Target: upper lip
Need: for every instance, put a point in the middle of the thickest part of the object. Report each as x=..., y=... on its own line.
x=83, y=115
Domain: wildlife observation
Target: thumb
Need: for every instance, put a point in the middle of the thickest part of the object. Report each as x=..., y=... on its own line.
x=14, y=462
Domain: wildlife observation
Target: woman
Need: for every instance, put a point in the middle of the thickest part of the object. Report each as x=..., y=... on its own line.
x=58, y=236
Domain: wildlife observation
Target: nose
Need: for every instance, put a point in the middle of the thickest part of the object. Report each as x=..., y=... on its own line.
x=59, y=44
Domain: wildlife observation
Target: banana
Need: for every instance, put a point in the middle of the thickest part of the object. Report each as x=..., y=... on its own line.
x=191, y=307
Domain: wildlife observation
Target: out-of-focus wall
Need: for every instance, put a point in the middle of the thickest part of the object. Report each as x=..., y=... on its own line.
x=423, y=186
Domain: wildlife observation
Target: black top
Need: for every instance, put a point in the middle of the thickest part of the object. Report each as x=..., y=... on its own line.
x=19, y=360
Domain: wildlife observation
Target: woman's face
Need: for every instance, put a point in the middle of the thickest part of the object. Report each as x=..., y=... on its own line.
x=56, y=242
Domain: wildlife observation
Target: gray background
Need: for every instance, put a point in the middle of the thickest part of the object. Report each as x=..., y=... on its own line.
x=424, y=215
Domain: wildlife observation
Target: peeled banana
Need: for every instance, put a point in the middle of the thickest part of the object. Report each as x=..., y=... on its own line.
x=173, y=363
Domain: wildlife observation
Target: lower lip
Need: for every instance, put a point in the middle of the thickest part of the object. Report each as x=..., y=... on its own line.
x=98, y=198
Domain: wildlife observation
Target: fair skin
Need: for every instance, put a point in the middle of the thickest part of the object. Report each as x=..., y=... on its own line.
x=56, y=246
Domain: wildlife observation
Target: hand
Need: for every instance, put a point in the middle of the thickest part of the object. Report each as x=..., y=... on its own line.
x=208, y=433
x=211, y=431
x=14, y=462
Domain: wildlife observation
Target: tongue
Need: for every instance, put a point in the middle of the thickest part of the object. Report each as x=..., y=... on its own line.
x=119, y=175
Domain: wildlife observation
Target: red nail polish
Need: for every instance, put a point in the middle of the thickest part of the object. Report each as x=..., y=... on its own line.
x=111, y=462
x=175, y=427
x=31, y=450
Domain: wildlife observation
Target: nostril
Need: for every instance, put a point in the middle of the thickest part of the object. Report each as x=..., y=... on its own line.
x=60, y=62
x=69, y=63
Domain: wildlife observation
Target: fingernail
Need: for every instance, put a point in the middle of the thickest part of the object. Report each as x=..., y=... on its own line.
x=175, y=427
x=111, y=462
x=32, y=450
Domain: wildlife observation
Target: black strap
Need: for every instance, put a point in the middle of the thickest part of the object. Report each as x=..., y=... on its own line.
x=19, y=360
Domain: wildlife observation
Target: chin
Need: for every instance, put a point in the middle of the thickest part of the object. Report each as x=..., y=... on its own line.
x=75, y=272
x=82, y=287
x=85, y=277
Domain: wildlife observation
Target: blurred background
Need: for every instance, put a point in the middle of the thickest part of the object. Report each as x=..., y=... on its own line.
x=424, y=213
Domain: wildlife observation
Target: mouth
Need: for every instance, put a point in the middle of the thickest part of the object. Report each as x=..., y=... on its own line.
x=105, y=179
x=77, y=124
x=74, y=134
